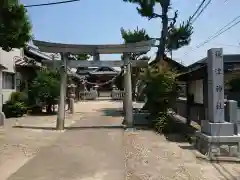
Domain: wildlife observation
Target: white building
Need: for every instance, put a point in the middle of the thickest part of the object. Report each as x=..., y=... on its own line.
x=7, y=60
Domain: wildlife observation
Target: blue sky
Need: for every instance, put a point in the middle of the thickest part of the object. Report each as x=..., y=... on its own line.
x=99, y=22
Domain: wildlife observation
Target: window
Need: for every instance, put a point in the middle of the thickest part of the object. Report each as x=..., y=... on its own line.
x=8, y=80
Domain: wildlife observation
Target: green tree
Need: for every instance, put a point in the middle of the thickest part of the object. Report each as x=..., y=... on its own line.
x=133, y=36
x=78, y=57
x=15, y=27
x=172, y=36
x=45, y=87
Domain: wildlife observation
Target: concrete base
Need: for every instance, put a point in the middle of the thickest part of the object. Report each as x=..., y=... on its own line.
x=130, y=129
x=217, y=129
x=218, y=146
x=2, y=118
x=237, y=129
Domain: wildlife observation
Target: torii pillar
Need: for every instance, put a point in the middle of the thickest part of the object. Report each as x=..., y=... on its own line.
x=62, y=98
x=127, y=104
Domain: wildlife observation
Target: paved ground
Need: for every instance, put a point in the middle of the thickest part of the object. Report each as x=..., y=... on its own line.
x=95, y=147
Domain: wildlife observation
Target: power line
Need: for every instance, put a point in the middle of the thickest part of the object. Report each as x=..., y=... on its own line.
x=220, y=30
x=49, y=4
x=218, y=34
x=201, y=11
x=199, y=7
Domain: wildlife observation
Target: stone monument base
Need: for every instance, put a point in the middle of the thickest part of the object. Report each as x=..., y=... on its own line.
x=217, y=129
x=237, y=128
x=218, y=146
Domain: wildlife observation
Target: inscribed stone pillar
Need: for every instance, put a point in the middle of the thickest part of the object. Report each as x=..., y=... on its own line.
x=215, y=85
x=216, y=125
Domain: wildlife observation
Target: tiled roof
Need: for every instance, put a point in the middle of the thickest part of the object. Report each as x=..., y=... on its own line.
x=227, y=58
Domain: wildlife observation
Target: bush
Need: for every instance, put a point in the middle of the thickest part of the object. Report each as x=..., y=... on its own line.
x=161, y=91
x=17, y=97
x=15, y=106
x=164, y=124
x=14, y=109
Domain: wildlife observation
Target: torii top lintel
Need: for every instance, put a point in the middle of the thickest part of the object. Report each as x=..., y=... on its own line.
x=142, y=46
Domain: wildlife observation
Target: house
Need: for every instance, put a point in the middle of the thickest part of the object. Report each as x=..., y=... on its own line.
x=197, y=72
x=7, y=59
x=98, y=76
x=196, y=79
x=19, y=66
x=28, y=66
x=168, y=63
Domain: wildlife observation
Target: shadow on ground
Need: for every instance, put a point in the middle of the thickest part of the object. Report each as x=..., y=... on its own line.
x=43, y=114
x=224, y=172
x=184, y=133
x=116, y=112
x=71, y=128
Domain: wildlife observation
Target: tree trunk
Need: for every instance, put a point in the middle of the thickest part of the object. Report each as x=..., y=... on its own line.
x=164, y=33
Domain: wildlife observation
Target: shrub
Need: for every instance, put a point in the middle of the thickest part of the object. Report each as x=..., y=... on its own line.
x=15, y=106
x=17, y=97
x=14, y=109
x=161, y=91
x=166, y=124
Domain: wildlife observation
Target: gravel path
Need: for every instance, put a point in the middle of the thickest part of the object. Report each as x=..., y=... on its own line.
x=149, y=156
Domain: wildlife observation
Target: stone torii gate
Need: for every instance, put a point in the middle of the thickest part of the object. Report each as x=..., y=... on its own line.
x=95, y=51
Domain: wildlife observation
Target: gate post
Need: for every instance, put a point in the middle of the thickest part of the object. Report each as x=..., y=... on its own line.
x=62, y=98
x=128, y=108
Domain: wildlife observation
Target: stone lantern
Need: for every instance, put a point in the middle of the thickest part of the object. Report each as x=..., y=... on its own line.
x=71, y=95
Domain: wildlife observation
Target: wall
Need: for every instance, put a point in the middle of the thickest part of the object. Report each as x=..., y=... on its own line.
x=7, y=60
x=196, y=88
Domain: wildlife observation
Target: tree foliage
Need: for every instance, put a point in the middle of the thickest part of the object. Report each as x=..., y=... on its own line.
x=133, y=36
x=15, y=27
x=172, y=36
x=79, y=57
x=161, y=90
x=45, y=87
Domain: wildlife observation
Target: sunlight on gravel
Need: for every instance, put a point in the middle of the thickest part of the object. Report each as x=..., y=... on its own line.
x=149, y=156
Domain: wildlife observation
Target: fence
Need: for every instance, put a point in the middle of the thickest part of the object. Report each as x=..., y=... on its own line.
x=88, y=95
x=117, y=95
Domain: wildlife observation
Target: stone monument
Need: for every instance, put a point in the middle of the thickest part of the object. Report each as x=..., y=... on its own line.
x=216, y=130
